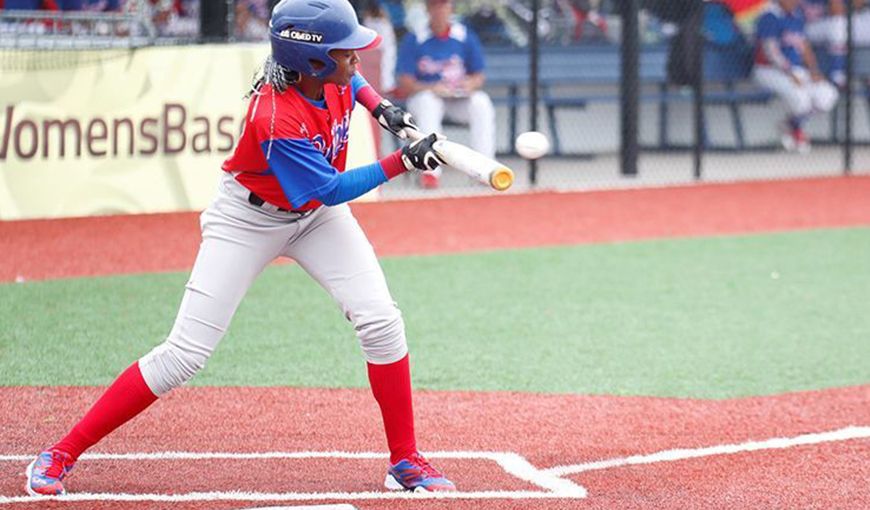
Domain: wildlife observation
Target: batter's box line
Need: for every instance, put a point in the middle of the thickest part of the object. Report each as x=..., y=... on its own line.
x=554, y=487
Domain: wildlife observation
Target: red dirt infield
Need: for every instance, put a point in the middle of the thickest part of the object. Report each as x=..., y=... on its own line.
x=45, y=249
x=548, y=430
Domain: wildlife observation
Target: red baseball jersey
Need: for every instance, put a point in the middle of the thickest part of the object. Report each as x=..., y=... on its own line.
x=293, y=152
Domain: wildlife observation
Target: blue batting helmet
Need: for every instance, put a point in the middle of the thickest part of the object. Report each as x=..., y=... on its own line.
x=304, y=31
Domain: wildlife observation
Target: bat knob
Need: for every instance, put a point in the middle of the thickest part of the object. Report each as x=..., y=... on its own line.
x=501, y=178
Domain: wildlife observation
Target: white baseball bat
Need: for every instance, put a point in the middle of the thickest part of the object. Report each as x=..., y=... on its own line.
x=470, y=162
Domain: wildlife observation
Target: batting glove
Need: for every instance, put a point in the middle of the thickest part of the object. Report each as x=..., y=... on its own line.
x=394, y=119
x=420, y=154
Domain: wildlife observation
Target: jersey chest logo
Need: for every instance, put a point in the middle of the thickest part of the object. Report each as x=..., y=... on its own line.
x=339, y=132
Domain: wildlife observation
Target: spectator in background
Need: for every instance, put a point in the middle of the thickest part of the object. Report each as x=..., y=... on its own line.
x=171, y=17
x=826, y=26
x=395, y=9
x=252, y=20
x=585, y=12
x=489, y=27
x=375, y=17
x=786, y=65
x=29, y=26
x=861, y=23
x=90, y=5
x=441, y=70
x=30, y=5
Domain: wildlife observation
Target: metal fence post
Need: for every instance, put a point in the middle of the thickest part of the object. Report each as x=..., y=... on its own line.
x=534, y=52
x=231, y=20
x=630, y=88
x=697, y=27
x=850, y=50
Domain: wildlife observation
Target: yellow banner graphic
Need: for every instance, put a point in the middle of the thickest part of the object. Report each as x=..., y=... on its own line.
x=138, y=131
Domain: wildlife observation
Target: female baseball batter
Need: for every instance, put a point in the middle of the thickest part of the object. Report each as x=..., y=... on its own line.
x=284, y=193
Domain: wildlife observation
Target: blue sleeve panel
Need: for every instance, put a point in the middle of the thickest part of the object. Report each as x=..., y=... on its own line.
x=357, y=83
x=355, y=183
x=304, y=174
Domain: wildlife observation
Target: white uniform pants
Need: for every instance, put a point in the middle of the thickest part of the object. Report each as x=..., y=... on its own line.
x=238, y=241
x=830, y=30
x=430, y=110
x=802, y=98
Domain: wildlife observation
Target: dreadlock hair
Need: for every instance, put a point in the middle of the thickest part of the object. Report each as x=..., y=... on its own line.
x=279, y=78
x=276, y=75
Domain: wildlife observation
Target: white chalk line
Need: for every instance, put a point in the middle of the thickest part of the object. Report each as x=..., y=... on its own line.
x=549, y=479
x=286, y=496
x=511, y=463
x=776, y=443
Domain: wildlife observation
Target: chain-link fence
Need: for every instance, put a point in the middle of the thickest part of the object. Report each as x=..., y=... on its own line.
x=638, y=92
x=784, y=84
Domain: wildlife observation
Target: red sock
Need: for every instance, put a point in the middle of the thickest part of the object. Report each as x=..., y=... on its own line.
x=391, y=385
x=125, y=398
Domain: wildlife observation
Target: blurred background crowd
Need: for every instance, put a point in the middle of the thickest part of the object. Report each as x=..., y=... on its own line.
x=497, y=22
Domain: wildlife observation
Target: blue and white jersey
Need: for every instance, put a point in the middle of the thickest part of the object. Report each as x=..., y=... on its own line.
x=448, y=57
x=786, y=29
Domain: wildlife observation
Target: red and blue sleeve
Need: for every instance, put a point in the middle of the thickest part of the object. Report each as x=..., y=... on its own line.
x=304, y=174
x=364, y=93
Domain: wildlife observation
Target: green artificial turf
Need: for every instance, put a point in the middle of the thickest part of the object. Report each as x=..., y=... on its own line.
x=711, y=318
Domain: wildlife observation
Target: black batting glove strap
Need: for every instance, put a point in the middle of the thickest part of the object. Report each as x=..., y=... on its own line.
x=393, y=118
x=420, y=155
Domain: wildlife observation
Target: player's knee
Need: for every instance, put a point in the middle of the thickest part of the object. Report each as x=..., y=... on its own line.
x=481, y=105
x=170, y=365
x=800, y=102
x=382, y=334
x=423, y=101
x=825, y=97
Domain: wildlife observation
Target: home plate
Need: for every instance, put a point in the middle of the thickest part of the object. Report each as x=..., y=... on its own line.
x=343, y=506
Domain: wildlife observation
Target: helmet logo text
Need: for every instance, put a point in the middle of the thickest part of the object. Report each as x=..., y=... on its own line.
x=301, y=35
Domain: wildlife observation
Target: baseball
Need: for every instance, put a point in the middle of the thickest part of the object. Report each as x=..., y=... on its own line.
x=532, y=144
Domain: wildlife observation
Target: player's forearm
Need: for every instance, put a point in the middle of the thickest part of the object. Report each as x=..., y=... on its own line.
x=408, y=85
x=475, y=81
x=774, y=55
x=360, y=180
x=369, y=98
x=810, y=58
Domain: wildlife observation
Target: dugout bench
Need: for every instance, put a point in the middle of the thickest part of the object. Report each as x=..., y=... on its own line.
x=727, y=84
x=599, y=65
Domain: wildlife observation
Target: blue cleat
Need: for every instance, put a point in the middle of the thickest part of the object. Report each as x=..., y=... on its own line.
x=46, y=473
x=416, y=474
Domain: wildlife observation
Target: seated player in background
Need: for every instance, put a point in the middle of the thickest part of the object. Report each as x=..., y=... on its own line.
x=441, y=70
x=826, y=27
x=786, y=65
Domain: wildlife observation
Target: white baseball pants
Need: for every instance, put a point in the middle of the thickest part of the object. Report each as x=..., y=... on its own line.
x=830, y=30
x=802, y=98
x=430, y=110
x=238, y=241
